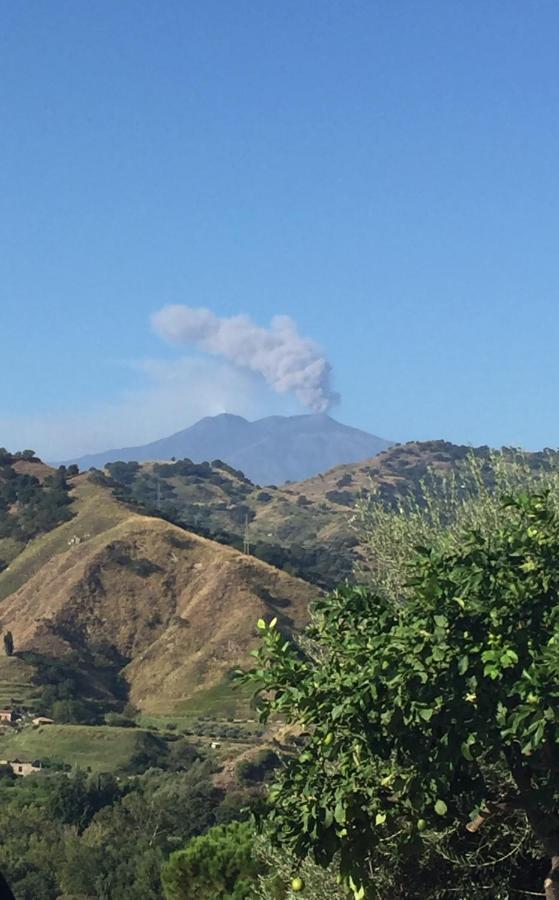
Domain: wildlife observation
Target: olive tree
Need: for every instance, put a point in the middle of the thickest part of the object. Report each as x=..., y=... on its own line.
x=432, y=717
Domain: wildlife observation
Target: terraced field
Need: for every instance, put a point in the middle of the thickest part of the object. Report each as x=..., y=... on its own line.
x=16, y=684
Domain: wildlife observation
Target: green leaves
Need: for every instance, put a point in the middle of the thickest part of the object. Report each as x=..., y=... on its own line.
x=410, y=710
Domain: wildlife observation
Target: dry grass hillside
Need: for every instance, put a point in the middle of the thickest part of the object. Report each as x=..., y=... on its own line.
x=303, y=527
x=179, y=609
x=394, y=471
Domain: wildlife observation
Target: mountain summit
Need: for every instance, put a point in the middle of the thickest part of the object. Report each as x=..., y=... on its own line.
x=269, y=451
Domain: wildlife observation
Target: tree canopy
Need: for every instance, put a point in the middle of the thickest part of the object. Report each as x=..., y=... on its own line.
x=221, y=863
x=430, y=721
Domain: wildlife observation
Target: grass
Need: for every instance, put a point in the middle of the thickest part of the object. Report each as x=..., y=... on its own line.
x=16, y=682
x=10, y=548
x=91, y=747
x=95, y=511
x=225, y=700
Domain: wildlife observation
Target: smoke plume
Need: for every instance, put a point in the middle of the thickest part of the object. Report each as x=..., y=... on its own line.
x=286, y=360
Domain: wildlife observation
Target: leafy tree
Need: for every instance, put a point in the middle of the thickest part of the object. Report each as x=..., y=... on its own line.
x=71, y=712
x=218, y=864
x=280, y=869
x=440, y=506
x=429, y=718
x=9, y=643
x=257, y=768
x=6, y=774
x=27, y=455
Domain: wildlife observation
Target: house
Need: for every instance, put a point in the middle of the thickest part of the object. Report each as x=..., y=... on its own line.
x=7, y=715
x=22, y=768
x=42, y=720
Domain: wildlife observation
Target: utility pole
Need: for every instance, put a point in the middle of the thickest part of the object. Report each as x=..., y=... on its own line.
x=246, y=541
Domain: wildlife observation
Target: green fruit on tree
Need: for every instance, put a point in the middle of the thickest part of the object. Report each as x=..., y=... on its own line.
x=421, y=824
x=328, y=739
x=297, y=885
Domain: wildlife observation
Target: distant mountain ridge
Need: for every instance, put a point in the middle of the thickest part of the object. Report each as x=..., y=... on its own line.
x=272, y=450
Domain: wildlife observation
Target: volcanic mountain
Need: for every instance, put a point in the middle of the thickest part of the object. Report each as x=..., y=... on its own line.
x=269, y=451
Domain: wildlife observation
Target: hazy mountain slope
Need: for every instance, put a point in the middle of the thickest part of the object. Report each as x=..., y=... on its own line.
x=180, y=608
x=269, y=451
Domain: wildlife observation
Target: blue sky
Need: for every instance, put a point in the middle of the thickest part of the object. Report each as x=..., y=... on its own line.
x=384, y=173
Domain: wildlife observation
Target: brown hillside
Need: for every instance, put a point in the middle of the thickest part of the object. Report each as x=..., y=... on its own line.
x=33, y=467
x=182, y=609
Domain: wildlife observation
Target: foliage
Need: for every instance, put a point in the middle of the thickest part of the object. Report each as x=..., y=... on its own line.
x=100, y=837
x=281, y=868
x=8, y=639
x=258, y=768
x=27, y=506
x=79, y=687
x=119, y=720
x=437, y=505
x=427, y=717
x=125, y=472
x=219, y=864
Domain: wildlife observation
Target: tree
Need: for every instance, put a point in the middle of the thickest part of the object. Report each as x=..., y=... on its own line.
x=220, y=863
x=27, y=455
x=71, y=711
x=9, y=643
x=439, y=507
x=429, y=721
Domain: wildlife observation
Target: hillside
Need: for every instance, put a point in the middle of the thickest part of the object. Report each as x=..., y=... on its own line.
x=34, y=498
x=177, y=609
x=168, y=608
x=269, y=451
x=304, y=527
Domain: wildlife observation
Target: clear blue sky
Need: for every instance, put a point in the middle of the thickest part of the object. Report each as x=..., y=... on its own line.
x=385, y=173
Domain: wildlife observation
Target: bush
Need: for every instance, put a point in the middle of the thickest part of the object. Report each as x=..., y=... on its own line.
x=119, y=720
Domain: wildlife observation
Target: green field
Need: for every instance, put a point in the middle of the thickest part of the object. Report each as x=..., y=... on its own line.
x=99, y=748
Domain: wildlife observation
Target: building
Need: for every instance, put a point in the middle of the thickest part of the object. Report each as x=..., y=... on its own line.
x=7, y=715
x=22, y=768
x=42, y=720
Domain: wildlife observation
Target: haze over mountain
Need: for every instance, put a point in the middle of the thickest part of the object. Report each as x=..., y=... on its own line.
x=269, y=451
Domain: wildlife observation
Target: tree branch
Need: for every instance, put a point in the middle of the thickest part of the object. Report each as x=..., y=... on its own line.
x=498, y=808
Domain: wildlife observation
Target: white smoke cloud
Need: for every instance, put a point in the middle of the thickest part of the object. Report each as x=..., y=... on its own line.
x=172, y=394
x=287, y=361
